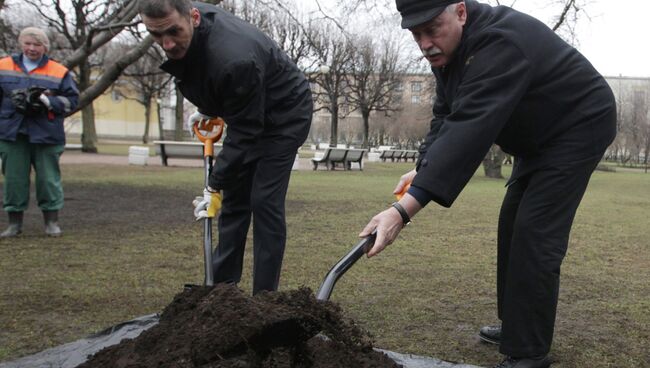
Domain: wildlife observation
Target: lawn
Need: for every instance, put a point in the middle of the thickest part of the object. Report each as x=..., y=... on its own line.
x=130, y=244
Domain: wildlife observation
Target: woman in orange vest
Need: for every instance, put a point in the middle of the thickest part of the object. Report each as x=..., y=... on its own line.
x=36, y=94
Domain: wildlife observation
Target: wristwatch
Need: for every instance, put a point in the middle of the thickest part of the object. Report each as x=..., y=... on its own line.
x=402, y=212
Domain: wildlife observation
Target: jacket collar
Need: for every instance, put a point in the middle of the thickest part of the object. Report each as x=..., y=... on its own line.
x=18, y=60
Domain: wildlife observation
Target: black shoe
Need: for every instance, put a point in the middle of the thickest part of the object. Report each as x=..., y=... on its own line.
x=539, y=362
x=490, y=334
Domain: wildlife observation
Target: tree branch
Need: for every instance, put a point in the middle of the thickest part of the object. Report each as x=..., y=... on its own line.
x=111, y=74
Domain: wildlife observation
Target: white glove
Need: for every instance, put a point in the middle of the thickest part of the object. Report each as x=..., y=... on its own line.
x=197, y=116
x=45, y=100
x=208, y=205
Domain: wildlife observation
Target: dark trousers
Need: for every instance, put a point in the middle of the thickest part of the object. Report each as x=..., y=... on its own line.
x=534, y=225
x=261, y=192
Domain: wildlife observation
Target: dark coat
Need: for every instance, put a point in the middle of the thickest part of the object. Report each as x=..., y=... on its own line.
x=234, y=71
x=41, y=128
x=513, y=82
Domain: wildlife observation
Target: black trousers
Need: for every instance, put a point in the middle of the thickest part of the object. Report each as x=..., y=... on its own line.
x=534, y=225
x=261, y=193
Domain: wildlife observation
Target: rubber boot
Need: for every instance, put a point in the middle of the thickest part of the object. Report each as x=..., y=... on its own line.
x=15, y=227
x=52, y=223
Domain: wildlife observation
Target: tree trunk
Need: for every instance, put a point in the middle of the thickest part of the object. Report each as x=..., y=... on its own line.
x=334, y=125
x=366, y=128
x=178, y=125
x=492, y=162
x=89, y=134
x=147, y=119
x=161, y=133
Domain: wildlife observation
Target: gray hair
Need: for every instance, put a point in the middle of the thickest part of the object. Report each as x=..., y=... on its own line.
x=37, y=33
x=162, y=8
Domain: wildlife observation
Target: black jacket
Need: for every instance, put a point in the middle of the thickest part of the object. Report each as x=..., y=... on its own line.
x=513, y=82
x=234, y=71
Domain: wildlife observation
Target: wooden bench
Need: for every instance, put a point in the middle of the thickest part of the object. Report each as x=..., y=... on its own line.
x=399, y=155
x=337, y=156
x=387, y=154
x=344, y=156
x=410, y=155
x=322, y=160
x=181, y=149
x=354, y=155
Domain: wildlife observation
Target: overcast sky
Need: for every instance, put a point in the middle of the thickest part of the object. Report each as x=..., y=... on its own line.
x=613, y=34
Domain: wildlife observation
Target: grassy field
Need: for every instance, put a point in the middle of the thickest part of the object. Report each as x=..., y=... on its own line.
x=131, y=243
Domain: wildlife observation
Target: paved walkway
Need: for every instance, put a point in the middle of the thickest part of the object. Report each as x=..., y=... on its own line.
x=78, y=157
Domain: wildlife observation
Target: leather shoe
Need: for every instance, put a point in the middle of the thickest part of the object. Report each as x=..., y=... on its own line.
x=536, y=362
x=490, y=334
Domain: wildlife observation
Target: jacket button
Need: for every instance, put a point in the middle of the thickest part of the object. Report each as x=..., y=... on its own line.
x=424, y=162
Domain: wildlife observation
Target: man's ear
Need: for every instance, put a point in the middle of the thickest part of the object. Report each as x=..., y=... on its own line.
x=195, y=17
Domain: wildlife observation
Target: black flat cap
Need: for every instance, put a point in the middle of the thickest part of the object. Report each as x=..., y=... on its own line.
x=416, y=12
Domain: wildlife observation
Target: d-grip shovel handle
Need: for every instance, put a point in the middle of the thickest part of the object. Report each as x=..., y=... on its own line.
x=214, y=129
x=343, y=265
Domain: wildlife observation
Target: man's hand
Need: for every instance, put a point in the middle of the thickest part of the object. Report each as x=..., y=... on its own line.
x=388, y=225
x=207, y=206
x=404, y=184
x=197, y=116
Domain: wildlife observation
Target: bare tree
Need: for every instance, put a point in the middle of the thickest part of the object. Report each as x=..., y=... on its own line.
x=86, y=26
x=148, y=81
x=334, y=53
x=374, y=75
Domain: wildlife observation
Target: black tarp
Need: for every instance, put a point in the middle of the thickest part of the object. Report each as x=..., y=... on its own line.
x=72, y=354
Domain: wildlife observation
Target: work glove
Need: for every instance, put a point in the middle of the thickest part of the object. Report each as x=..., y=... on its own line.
x=29, y=102
x=197, y=116
x=207, y=206
x=45, y=100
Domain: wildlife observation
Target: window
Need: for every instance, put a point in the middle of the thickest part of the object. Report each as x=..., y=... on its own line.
x=116, y=96
x=416, y=87
x=415, y=100
x=399, y=87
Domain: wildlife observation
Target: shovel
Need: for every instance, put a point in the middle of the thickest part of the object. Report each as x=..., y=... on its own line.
x=213, y=129
x=343, y=265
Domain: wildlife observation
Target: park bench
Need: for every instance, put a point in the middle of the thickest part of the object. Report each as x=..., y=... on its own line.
x=354, y=155
x=338, y=156
x=410, y=155
x=322, y=160
x=180, y=149
x=399, y=155
x=344, y=156
x=387, y=154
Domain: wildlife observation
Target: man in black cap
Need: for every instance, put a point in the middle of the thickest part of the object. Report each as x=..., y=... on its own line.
x=504, y=77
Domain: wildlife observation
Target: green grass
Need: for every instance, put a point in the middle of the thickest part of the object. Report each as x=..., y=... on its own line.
x=428, y=293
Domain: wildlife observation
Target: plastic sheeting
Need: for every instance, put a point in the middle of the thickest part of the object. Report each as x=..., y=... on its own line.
x=72, y=354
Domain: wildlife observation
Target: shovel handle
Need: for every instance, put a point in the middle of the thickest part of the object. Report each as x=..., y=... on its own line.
x=343, y=265
x=214, y=128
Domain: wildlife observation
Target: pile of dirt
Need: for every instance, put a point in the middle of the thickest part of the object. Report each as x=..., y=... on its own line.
x=221, y=327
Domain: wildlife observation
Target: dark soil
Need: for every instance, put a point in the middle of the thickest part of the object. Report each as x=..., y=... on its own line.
x=221, y=327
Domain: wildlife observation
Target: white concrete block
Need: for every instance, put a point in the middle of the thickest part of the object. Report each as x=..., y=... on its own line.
x=138, y=155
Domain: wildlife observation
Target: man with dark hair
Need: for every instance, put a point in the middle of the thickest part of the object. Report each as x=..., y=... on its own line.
x=230, y=69
x=504, y=77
